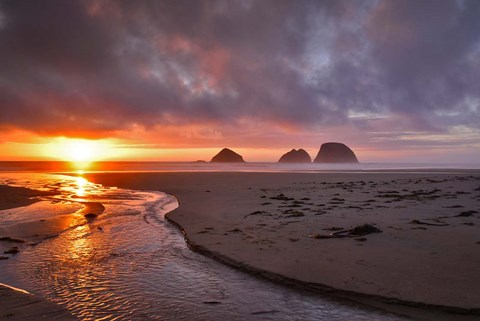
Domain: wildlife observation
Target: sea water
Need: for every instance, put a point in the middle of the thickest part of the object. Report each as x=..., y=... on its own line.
x=224, y=167
x=131, y=264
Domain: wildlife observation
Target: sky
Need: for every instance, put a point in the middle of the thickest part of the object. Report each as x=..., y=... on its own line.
x=397, y=81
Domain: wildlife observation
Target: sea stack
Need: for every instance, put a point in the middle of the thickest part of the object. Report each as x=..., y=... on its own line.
x=335, y=153
x=295, y=156
x=227, y=156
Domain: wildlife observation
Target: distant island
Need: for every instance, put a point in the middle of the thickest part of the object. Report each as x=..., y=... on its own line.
x=227, y=156
x=295, y=156
x=335, y=153
x=329, y=153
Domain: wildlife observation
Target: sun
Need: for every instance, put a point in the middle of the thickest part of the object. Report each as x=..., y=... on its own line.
x=81, y=152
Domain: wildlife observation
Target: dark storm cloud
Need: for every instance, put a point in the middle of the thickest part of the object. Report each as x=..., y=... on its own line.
x=94, y=67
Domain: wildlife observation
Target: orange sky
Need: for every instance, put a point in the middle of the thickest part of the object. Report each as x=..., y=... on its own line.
x=21, y=145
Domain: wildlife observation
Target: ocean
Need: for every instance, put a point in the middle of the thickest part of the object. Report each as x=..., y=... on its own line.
x=116, y=166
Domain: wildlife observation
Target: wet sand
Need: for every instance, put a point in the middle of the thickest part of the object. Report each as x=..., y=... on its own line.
x=16, y=304
x=33, y=229
x=19, y=196
x=277, y=225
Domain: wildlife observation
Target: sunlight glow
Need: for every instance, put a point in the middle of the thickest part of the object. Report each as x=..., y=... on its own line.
x=81, y=152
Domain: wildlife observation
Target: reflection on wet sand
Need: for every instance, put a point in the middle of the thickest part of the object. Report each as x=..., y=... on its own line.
x=65, y=206
x=80, y=247
x=80, y=190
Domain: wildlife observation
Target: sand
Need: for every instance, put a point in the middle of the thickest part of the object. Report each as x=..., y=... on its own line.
x=273, y=224
x=17, y=304
x=18, y=196
x=427, y=254
x=33, y=227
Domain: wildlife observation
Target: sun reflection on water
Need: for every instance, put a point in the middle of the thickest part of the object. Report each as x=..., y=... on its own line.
x=80, y=247
x=80, y=188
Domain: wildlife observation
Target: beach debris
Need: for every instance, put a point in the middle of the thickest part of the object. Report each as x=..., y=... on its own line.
x=436, y=223
x=360, y=239
x=281, y=197
x=264, y=312
x=467, y=213
x=235, y=230
x=364, y=229
x=13, y=250
x=90, y=216
x=292, y=206
x=360, y=230
x=293, y=214
x=3, y=257
x=333, y=228
x=212, y=302
x=395, y=228
x=418, y=195
x=11, y=240
x=255, y=213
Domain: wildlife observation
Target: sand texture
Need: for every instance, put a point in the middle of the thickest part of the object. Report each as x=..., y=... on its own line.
x=17, y=305
x=12, y=197
x=278, y=224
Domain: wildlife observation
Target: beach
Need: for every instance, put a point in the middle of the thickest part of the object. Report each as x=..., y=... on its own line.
x=402, y=241
x=427, y=254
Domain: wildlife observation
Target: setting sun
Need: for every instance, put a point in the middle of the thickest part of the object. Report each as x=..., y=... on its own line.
x=81, y=151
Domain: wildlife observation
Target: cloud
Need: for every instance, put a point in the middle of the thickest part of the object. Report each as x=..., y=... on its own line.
x=101, y=68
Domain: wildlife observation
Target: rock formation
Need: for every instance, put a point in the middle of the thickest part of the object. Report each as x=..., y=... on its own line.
x=295, y=156
x=335, y=153
x=227, y=156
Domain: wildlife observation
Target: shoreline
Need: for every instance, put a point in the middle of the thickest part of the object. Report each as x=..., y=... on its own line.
x=395, y=305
